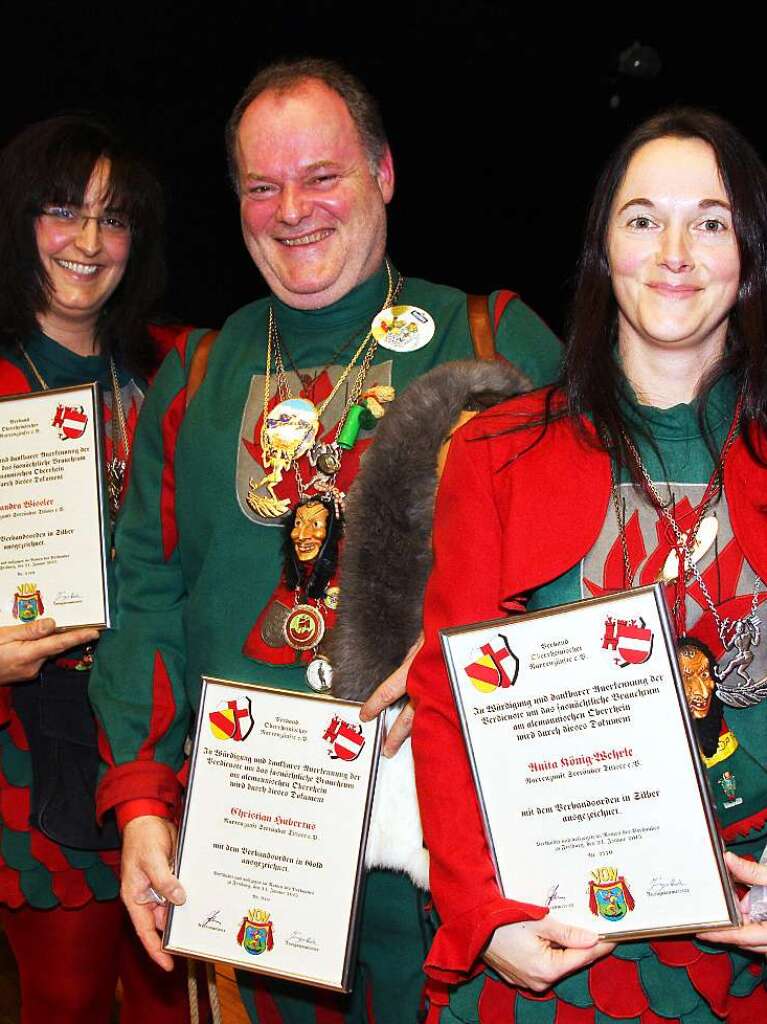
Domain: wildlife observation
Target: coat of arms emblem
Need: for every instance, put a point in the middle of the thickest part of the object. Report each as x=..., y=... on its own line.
x=346, y=740
x=256, y=935
x=71, y=421
x=27, y=603
x=493, y=669
x=232, y=720
x=609, y=895
x=629, y=638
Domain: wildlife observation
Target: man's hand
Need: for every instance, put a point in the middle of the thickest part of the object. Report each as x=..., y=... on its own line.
x=389, y=692
x=23, y=649
x=536, y=954
x=148, y=846
x=752, y=935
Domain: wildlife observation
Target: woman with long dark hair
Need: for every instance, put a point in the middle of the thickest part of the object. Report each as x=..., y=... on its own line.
x=654, y=437
x=81, y=249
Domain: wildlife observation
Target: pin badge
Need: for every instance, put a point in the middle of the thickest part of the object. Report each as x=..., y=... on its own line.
x=403, y=328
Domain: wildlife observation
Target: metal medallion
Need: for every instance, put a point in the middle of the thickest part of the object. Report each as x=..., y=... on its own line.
x=319, y=674
x=304, y=627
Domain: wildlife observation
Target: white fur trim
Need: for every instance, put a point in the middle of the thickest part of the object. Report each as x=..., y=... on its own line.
x=395, y=840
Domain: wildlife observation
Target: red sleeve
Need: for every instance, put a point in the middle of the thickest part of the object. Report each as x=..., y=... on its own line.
x=13, y=381
x=465, y=587
x=131, y=809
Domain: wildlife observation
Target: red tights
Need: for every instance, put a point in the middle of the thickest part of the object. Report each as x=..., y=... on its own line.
x=69, y=962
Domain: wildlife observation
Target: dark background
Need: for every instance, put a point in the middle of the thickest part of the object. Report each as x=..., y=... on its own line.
x=498, y=127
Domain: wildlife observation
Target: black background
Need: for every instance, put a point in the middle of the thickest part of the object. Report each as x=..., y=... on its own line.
x=498, y=126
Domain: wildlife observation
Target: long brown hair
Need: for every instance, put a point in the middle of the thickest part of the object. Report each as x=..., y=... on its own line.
x=592, y=381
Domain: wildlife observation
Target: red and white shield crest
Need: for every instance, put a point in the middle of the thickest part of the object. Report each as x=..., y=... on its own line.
x=71, y=421
x=629, y=638
x=346, y=740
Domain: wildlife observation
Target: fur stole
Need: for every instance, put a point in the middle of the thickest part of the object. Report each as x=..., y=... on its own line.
x=385, y=563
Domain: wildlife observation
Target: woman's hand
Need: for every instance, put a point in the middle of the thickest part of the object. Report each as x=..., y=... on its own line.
x=23, y=649
x=752, y=935
x=389, y=692
x=536, y=954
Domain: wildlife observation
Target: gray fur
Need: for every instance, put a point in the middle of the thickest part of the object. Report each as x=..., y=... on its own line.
x=386, y=554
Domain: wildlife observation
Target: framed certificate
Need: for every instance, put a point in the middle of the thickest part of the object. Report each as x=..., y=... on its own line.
x=53, y=540
x=272, y=842
x=593, y=795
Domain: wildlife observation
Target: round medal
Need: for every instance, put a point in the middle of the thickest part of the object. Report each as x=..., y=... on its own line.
x=332, y=594
x=289, y=431
x=403, y=328
x=304, y=627
x=319, y=674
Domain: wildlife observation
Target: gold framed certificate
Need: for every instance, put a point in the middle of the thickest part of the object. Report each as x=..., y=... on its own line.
x=594, y=799
x=53, y=538
x=272, y=841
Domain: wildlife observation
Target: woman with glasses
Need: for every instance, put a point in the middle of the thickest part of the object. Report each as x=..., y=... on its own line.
x=80, y=246
x=654, y=435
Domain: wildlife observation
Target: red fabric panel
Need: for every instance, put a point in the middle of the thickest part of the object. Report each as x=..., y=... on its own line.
x=496, y=1002
x=163, y=709
x=743, y=827
x=49, y=854
x=14, y=806
x=750, y=1009
x=171, y=424
x=502, y=299
x=616, y=989
x=136, y=808
x=711, y=976
x=10, y=890
x=327, y=1014
x=266, y=1008
x=676, y=952
x=135, y=780
x=13, y=381
x=5, y=705
x=567, y=1014
x=648, y=1017
x=71, y=888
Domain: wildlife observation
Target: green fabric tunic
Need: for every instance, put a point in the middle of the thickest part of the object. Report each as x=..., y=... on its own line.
x=196, y=567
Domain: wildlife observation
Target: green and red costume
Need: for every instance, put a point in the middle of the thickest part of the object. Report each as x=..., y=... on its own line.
x=196, y=567
x=33, y=869
x=546, y=534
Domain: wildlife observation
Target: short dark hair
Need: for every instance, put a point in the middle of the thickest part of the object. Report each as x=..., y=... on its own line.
x=593, y=379
x=52, y=161
x=284, y=75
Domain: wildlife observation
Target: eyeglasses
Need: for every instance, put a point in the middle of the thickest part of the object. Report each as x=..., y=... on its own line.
x=72, y=220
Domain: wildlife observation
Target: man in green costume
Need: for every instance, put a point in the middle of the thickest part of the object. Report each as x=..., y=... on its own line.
x=200, y=548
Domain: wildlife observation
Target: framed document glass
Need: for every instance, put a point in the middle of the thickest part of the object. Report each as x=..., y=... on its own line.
x=593, y=795
x=272, y=842
x=53, y=541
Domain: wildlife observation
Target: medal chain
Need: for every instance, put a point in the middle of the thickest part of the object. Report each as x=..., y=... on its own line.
x=684, y=543
x=273, y=351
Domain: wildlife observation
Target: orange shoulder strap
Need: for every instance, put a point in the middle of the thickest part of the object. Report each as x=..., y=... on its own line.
x=199, y=364
x=482, y=337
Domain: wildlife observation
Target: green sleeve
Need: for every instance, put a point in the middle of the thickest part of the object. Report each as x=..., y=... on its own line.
x=137, y=682
x=525, y=340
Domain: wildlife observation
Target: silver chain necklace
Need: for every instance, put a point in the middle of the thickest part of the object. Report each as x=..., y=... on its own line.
x=735, y=687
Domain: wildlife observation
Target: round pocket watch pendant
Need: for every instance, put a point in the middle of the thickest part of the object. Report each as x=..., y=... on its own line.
x=304, y=627
x=319, y=674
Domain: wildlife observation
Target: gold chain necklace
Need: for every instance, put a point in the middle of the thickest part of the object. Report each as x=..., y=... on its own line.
x=115, y=467
x=290, y=429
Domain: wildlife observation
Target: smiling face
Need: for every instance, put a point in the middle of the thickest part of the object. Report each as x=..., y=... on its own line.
x=672, y=251
x=697, y=679
x=309, y=530
x=313, y=212
x=83, y=260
